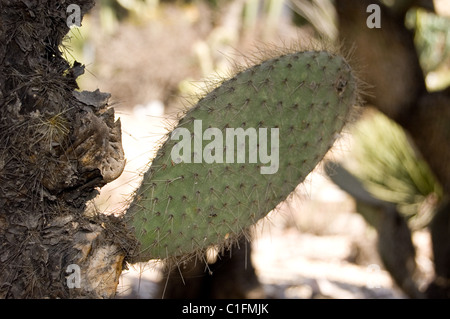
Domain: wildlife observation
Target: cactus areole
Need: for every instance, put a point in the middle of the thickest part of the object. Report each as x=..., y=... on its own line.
x=240, y=151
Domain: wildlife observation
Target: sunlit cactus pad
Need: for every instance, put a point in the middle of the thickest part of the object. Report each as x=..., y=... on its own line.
x=289, y=108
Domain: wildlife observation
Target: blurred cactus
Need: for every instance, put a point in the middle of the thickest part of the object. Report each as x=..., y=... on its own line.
x=391, y=169
x=394, y=243
x=320, y=14
x=392, y=67
x=433, y=46
x=394, y=189
x=431, y=37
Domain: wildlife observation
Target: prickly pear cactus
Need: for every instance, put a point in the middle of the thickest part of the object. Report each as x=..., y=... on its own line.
x=240, y=151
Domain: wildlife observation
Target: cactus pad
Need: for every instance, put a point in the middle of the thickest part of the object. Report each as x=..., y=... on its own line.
x=288, y=110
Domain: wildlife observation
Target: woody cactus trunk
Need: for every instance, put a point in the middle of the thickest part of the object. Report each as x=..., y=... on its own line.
x=57, y=146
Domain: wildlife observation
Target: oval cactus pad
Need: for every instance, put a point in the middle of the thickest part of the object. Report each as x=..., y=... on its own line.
x=240, y=151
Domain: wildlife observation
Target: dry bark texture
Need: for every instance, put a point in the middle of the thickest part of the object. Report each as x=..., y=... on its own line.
x=57, y=146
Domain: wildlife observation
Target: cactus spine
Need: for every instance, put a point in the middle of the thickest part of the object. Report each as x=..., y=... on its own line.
x=206, y=186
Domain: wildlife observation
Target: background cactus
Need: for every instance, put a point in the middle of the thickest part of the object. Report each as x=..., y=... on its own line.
x=186, y=206
x=420, y=108
x=392, y=170
x=394, y=190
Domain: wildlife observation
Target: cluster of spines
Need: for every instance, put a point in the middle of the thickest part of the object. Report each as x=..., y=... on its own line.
x=226, y=199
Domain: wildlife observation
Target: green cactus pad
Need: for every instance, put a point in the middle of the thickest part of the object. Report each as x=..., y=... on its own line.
x=192, y=198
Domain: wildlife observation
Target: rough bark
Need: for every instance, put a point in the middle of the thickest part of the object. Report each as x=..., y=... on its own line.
x=57, y=146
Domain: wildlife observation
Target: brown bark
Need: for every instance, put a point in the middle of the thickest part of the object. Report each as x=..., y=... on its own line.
x=57, y=146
